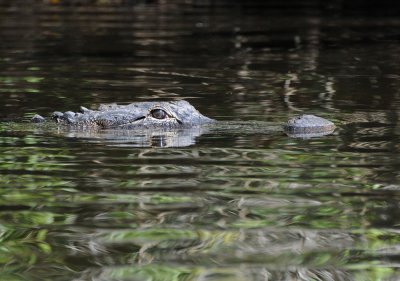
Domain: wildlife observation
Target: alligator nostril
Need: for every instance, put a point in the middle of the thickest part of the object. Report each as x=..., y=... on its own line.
x=57, y=115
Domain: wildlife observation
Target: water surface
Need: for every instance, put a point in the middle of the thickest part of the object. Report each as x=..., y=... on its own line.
x=239, y=202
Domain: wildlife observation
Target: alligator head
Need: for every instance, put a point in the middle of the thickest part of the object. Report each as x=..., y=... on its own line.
x=172, y=114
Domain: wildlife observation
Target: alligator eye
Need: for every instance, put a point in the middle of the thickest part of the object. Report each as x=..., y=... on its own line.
x=158, y=113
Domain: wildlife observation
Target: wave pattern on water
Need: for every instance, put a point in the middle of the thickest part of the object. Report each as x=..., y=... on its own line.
x=202, y=208
x=237, y=201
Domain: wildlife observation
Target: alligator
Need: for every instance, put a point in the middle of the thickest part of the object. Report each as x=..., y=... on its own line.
x=167, y=116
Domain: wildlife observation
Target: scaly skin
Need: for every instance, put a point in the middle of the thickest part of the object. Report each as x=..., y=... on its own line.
x=173, y=114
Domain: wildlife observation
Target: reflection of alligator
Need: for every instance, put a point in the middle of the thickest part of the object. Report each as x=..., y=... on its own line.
x=166, y=117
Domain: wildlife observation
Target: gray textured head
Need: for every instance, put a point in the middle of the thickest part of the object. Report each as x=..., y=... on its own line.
x=172, y=114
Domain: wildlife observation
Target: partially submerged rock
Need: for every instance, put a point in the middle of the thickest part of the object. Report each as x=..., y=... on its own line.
x=306, y=126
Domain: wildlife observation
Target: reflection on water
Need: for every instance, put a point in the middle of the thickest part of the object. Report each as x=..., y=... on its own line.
x=134, y=138
x=297, y=209
x=240, y=201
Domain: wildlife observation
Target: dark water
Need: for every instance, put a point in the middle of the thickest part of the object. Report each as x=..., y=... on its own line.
x=236, y=203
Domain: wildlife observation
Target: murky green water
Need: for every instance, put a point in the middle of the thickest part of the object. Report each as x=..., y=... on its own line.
x=242, y=201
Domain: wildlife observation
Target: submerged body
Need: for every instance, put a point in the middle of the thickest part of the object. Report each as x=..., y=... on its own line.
x=170, y=115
